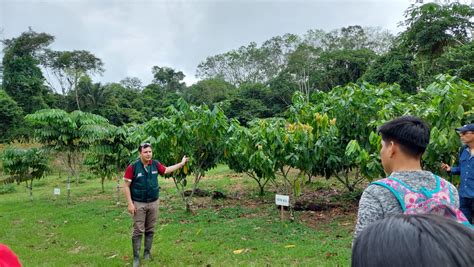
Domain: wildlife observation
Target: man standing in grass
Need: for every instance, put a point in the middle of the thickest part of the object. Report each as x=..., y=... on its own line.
x=142, y=192
x=466, y=170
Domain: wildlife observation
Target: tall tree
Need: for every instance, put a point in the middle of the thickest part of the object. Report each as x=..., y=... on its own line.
x=248, y=103
x=431, y=29
x=155, y=100
x=396, y=66
x=457, y=61
x=22, y=76
x=208, y=92
x=132, y=83
x=12, y=116
x=302, y=62
x=253, y=64
x=249, y=63
x=340, y=67
x=353, y=37
x=122, y=104
x=280, y=93
x=169, y=79
x=69, y=66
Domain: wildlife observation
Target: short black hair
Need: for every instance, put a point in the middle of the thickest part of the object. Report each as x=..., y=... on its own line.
x=414, y=240
x=411, y=133
x=143, y=145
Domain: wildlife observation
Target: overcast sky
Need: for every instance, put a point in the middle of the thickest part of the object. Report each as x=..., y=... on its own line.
x=132, y=36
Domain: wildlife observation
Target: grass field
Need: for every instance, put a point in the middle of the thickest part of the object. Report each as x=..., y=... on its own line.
x=241, y=230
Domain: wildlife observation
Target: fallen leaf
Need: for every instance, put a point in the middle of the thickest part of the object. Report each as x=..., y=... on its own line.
x=290, y=246
x=240, y=251
x=76, y=250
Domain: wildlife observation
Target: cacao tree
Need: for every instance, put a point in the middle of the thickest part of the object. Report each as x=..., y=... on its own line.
x=25, y=165
x=195, y=131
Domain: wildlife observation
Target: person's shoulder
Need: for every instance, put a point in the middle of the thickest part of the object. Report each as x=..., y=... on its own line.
x=447, y=183
x=156, y=162
x=376, y=183
x=374, y=188
x=133, y=163
x=464, y=149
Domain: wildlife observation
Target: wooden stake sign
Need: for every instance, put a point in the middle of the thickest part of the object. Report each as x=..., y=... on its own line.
x=282, y=200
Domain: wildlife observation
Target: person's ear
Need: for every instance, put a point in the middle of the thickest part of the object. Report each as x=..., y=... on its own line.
x=392, y=149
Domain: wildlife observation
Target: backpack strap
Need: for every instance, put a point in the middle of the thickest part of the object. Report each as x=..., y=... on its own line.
x=451, y=194
x=402, y=189
x=423, y=190
x=394, y=192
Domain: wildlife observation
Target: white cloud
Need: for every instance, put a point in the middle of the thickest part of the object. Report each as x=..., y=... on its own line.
x=132, y=36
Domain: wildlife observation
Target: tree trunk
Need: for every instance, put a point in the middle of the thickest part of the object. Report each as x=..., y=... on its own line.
x=118, y=191
x=74, y=163
x=188, y=207
x=77, y=94
x=30, y=189
x=68, y=189
x=181, y=192
x=197, y=178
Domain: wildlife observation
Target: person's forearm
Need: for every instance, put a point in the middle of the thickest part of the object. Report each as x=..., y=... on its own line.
x=455, y=170
x=173, y=168
x=128, y=195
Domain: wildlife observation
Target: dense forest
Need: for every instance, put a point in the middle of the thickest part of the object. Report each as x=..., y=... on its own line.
x=253, y=81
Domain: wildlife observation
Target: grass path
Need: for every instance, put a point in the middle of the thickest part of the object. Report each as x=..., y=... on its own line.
x=242, y=230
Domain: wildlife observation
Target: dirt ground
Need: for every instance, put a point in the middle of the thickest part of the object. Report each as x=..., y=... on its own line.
x=325, y=209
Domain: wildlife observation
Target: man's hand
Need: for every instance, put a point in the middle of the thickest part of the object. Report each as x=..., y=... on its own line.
x=132, y=209
x=445, y=167
x=184, y=160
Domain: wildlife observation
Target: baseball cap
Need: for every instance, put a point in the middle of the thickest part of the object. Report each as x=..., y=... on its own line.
x=465, y=128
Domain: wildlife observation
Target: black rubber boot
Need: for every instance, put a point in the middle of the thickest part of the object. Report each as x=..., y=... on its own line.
x=136, y=245
x=148, y=243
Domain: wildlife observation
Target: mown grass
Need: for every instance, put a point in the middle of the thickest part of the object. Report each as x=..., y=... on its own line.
x=242, y=230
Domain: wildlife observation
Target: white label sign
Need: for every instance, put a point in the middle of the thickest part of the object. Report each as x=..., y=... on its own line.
x=57, y=191
x=282, y=200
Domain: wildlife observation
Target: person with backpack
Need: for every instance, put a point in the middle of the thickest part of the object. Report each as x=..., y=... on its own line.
x=465, y=169
x=408, y=189
x=142, y=192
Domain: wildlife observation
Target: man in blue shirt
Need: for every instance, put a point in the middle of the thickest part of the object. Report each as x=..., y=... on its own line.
x=466, y=170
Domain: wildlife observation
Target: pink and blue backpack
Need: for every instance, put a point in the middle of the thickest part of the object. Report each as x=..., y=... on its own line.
x=439, y=201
